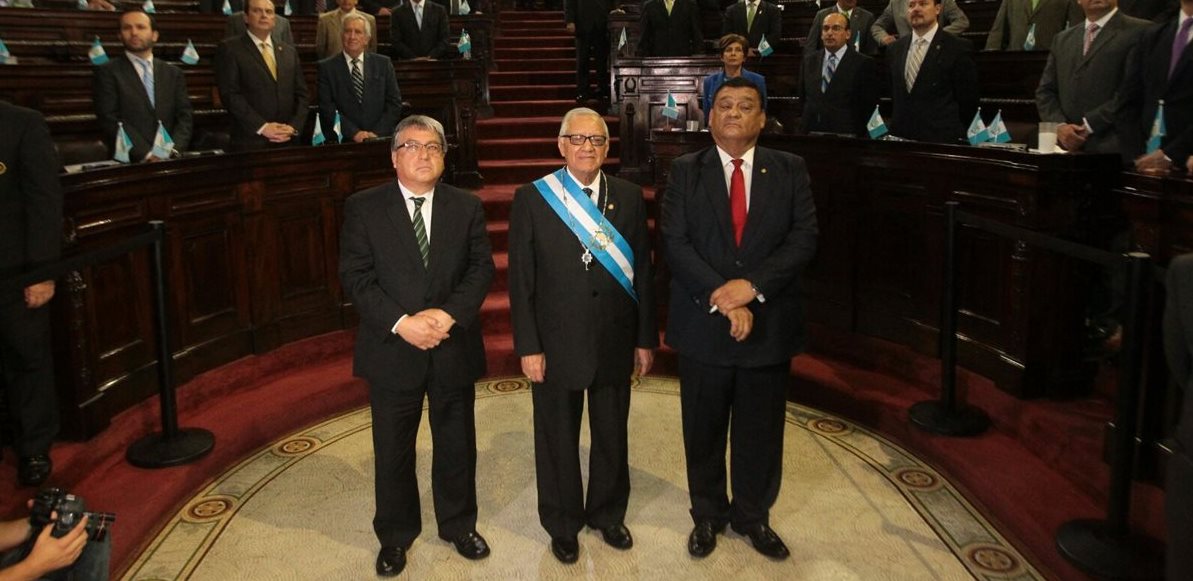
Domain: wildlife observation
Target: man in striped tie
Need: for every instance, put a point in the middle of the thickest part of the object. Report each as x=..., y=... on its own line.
x=359, y=85
x=839, y=85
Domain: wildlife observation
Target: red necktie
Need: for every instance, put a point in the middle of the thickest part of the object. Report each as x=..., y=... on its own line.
x=737, y=200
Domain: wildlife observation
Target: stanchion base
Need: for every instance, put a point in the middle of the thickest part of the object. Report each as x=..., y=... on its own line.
x=1090, y=545
x=157, y=451
x=935, y=417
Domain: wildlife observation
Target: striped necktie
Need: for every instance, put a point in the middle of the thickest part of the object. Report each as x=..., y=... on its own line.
x=1091, y=32
x=420, y=230
x=830, y=67
x=147, y=80
x=358, y=81
x=914, y=60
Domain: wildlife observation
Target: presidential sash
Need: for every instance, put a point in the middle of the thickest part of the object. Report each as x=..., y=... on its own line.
x=600, y=239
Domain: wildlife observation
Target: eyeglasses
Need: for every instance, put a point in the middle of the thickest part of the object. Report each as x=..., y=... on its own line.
x=432, y=149
x=596, y=140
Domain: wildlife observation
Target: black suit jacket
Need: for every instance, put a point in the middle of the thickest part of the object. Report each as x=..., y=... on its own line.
x=581, y=319
x=675, y=34
x=945, y=96
x=1148, y=83
x=851, y=96
x=778, y=242
x=380, y=107
x=409, y=41
x=30, y=195
x=768, y=20
x=120, y=97
x=252, y=96
x=859, y=28
x=591, y=17
x=383, y=273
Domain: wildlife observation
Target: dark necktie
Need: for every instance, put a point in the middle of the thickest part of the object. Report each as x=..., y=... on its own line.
x=829, y=68
x=420, y=230
x=358, y=81
x=1179, y=42
x=737, y=200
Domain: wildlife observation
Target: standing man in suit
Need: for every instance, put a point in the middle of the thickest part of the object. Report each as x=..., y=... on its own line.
x=418, y=30
x=934, y=81
x=1178, y=344
x=30, y=236
x=754, y=19
x=894, y=23
x=1081, y=84
x=415, y=259
x=141, y=91
x=360, y=85
x=327, y=34
x=1042, y=18
x=588, y=20
x=838, y=85
x=670, y=28
x=736, y=246
x=860, y=21
x=281, y=28
x=582, y=304
x=260, y=82
x=1163, y=71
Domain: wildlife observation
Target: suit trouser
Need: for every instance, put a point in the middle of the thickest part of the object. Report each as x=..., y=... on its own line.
x=27, y=375
x=563, y=510
x=747, y=404
x=1178, y=511
x=396, y=416
x=594, y=43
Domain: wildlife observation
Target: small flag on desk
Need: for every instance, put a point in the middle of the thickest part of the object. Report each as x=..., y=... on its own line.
x=670, y=110
x=622, y=41
x=287, y=10
x=97, y=54
x=163, y=144
x=764, y=48
x=317, y=138
x=977, y=132
x=857, y=41
x=227, y=8
x=998, y=129
x=1029, y=43
x=124, y=145
x=465, y=42
x=5, y=56
x=148, y=7
x=1156, y=135
x=82, y=4
x=876, y=126
x=465, y=9
x=336, y=127
x=190, y=56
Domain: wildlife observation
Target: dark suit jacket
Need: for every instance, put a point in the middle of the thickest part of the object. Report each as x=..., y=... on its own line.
x=582, y=320
x=30, y=195
x=120, y=97
x=778, y=242
x=859, y=28
x=252, y=96
x=409, y=41
x=1154, y=10
x=1148, y=83
x=383, y=273
x=1075, y=87
x=768, y=20
x=281, y=28
x=1016, y=17
x=381, y=105
x=675, y=34
x=850, y=98
x=590, y=16
x=945, y=96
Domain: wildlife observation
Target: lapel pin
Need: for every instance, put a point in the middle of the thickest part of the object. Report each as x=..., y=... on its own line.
x=763, y=170
x=610, y=207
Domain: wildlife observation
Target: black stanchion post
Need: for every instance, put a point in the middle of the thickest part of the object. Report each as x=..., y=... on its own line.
x=172, y=446
x=1107, y=548
x=946, y=416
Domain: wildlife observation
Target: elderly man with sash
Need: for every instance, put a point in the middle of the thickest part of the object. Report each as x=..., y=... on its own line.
x=583, y=314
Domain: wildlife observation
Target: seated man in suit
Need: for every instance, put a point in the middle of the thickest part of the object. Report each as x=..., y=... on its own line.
x=934, y=81
x=670, y=28
x=838, y=85
x=860, y=21
x=893, y=23
x=1080, y=86
x=1043, y=19
x=281, y=28
x=360, y=85
x=140, y=91
x=418, y=30
x=753, y=19
x=327, y=35
x=1163, y=71
x=261, y=84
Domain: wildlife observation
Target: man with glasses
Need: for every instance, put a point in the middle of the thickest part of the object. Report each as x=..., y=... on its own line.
x=416, y=262
x=583, y=314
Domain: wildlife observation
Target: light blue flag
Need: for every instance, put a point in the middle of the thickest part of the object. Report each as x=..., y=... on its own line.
x=163, y=144
x=227, y=8
x=124, y=145
x=465, y=9
x=764, y=48
x=82, y=4
x=876, y=126
x=857, y=41
x=5, y=56
x=670, y=110
x=190, y=56
x=317, y=138
x=97, y=54
x=1158, y=130
x=998, y=130
x=621, y=42
x=465, y=42
x=336, y=127
x=148, y=7
x=977, y=132
x=287, y=10
x=1029, y=43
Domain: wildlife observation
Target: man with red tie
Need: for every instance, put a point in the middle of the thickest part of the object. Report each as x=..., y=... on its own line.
x=739, y=226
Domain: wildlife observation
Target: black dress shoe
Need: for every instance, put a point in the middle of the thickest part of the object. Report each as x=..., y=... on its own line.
x=765, y=540
x=34, y=470
x=391, y=561
x=703, y=539
x=471, y=545
x=617, y=536
x=566, y=549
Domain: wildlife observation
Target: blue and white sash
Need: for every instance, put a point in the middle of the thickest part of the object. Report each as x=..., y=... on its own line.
x=586, y=221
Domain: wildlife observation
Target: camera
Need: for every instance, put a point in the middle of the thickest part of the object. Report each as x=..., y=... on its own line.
x=70, y=510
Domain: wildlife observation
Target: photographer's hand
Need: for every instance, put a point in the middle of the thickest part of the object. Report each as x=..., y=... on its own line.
x=49, y=554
